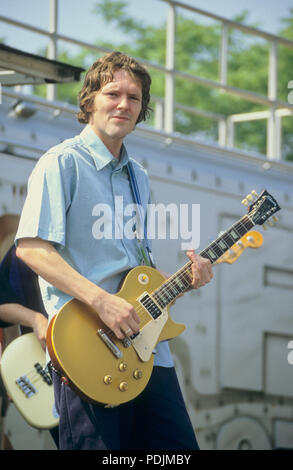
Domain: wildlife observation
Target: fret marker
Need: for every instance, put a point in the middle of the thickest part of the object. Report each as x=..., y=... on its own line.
x=234, y=235
x=222, y=245
x=211, y=254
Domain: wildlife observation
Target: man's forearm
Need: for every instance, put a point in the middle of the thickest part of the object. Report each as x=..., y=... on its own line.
x=17, y=314
x=44, y=259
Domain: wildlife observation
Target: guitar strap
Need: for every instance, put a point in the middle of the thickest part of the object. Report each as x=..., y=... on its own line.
x=143, y=243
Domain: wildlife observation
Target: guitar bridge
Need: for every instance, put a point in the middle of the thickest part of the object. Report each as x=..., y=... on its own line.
x=26, y=386
x=109, y=343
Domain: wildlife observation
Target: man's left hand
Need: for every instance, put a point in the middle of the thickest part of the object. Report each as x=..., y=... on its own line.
x=202, y=272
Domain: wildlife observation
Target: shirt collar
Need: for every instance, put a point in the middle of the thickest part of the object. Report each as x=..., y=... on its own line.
x=101, y=155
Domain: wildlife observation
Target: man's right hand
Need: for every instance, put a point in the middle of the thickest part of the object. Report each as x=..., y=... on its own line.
x=118, y=314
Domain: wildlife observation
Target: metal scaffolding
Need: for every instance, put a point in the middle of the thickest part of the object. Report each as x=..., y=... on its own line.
x=165, y=108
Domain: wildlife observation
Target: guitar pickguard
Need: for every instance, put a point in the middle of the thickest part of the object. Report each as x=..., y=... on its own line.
x=147, y=339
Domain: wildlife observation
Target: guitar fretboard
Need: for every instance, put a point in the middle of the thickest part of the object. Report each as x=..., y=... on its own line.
x=181, y=281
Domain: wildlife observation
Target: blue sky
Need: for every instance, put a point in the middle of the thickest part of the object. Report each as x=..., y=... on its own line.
x=76, y=18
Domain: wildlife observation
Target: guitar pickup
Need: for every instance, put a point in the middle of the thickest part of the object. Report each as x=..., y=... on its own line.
x=43, y=373
x=149, y=305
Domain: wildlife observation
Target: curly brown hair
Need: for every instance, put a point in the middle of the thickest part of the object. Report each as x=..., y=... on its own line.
x=101, y=72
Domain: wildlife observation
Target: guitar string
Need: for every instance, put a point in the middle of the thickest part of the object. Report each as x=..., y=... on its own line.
x=183, y=271
x=142, y=312
x=181, y=274
x=33, y=376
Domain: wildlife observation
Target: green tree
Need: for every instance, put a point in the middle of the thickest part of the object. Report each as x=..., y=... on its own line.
x=285, y=74
x=197, y=53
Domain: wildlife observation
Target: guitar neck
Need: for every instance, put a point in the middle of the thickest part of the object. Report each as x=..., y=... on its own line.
x=180, y=282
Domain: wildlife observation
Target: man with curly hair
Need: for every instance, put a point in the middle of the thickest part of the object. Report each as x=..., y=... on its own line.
x=56, y=239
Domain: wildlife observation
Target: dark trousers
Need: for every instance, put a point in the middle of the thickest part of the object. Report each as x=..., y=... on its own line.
x=156, y=420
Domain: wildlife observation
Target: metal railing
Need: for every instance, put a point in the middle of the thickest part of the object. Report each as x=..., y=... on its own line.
x=165, y=108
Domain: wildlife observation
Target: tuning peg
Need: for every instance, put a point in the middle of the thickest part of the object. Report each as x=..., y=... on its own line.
x=270, y=222
x=253, y=195
x=245, y=202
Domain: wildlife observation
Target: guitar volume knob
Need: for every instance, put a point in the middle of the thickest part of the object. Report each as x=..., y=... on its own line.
x=123, y=386
x=108, y=379
x=137, y=374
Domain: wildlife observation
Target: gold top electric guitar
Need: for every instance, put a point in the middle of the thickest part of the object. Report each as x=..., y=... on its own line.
x=106, y=370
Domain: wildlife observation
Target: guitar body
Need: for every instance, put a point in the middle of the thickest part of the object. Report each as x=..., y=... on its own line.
x=82, y=356
x=32, y=395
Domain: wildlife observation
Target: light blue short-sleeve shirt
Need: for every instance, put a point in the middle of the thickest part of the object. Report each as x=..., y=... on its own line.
x=77, y=195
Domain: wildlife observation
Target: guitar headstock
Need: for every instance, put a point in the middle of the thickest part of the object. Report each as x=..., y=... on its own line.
x=262, y=207
x=251, y=239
